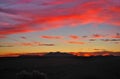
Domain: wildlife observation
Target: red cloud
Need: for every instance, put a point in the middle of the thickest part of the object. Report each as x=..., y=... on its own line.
x=97, y=36
x=80, y=12
x=51, y=37
x=115, y=8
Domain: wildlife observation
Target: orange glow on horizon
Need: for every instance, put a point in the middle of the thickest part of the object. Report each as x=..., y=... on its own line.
x=87, y=55
x=92, y=54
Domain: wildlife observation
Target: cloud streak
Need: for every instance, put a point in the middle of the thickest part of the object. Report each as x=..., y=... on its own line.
x=51, y=37
x=22, y=16
x=8, y=44
x=75, y=42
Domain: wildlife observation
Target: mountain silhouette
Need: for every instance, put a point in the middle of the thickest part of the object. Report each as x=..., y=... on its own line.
x=58, y=54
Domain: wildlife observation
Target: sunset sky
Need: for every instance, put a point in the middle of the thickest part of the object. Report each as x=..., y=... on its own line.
x=59, y=25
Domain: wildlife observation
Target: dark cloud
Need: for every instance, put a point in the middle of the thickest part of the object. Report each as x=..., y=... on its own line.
x=107, y=40
x=6, y=46
x=92, y=39
x=47, y=45
x=23, y=37
x=9, y=11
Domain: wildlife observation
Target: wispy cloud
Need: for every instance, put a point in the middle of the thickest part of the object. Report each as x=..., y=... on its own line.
x=51, y=37
x=13, y=44
x=36, y=44
x=75, y=42
x=22, y=16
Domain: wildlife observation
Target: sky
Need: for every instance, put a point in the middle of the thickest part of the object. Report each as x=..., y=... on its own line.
x=28, y=26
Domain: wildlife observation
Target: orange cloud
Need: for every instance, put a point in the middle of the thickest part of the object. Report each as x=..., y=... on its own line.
x=75, y=42
x=74, y=37
x=27, y=44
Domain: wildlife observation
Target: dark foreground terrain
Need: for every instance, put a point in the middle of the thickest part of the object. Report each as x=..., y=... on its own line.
x=63, y=67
